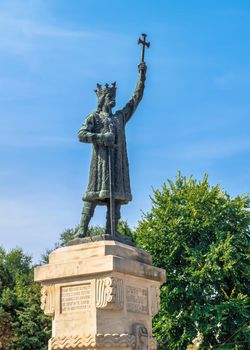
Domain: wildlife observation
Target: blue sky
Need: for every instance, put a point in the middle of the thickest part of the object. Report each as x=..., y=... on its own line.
x=195, y=115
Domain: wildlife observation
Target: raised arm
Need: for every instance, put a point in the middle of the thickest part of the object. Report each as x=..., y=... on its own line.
x=132, y=104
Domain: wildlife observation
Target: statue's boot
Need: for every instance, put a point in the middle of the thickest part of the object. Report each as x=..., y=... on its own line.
x=83, y=228
x=117, y=213
x=87, y=213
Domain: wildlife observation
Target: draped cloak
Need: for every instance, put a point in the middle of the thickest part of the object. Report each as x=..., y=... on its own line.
x=96, y=123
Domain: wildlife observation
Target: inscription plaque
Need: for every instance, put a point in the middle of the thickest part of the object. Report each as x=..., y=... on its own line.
x=137, y=299
x=75, y=298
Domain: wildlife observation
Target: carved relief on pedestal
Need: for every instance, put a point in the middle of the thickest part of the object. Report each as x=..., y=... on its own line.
x=115, y=340
x=137, y=341
x=93, y=342
x=142, y=339
x=109, y=293
x=72, y=342
x=141, y=336
x=155, y=300
x=48, y=299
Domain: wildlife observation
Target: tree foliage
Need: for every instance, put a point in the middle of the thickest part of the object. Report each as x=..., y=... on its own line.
x=23, y=326
x=200, y=236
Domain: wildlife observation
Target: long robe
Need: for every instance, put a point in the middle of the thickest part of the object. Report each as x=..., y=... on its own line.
x=98, y=189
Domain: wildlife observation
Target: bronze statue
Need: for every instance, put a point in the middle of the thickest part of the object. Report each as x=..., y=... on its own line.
x=109, y=182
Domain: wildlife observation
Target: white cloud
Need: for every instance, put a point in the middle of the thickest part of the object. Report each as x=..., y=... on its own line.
x=33, y=141
x=232, y=78
x=29, y=28
x=212, y=149
x=35, y=221
x=22, y=32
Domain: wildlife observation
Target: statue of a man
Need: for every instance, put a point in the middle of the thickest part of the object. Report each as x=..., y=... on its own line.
x=106, y=131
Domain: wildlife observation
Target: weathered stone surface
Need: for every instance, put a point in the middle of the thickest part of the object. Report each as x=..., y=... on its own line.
x=99, y=249
x=100, y=295
x=98, y=257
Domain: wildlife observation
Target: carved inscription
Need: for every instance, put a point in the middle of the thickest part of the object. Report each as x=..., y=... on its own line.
x=137, y=299
x=75, y=298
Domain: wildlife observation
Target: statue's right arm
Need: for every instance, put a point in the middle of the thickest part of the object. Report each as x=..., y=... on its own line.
x=87, y=133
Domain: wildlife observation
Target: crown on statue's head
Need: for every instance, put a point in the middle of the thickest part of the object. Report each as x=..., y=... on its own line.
x=102, y=91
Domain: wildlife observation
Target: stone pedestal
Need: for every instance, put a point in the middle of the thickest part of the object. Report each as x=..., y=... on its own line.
x=100, y=295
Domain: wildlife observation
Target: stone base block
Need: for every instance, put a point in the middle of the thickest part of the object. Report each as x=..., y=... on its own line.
x=100, y=295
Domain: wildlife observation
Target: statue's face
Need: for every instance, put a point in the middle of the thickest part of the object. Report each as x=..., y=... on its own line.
x=110, y=100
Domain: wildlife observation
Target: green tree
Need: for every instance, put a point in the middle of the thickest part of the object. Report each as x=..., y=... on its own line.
x=200, y=236
x=125, y=230
x=23, y=326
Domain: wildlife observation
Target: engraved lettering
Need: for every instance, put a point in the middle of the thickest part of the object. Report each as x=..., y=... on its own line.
x=75, y=298
x=137, y=299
